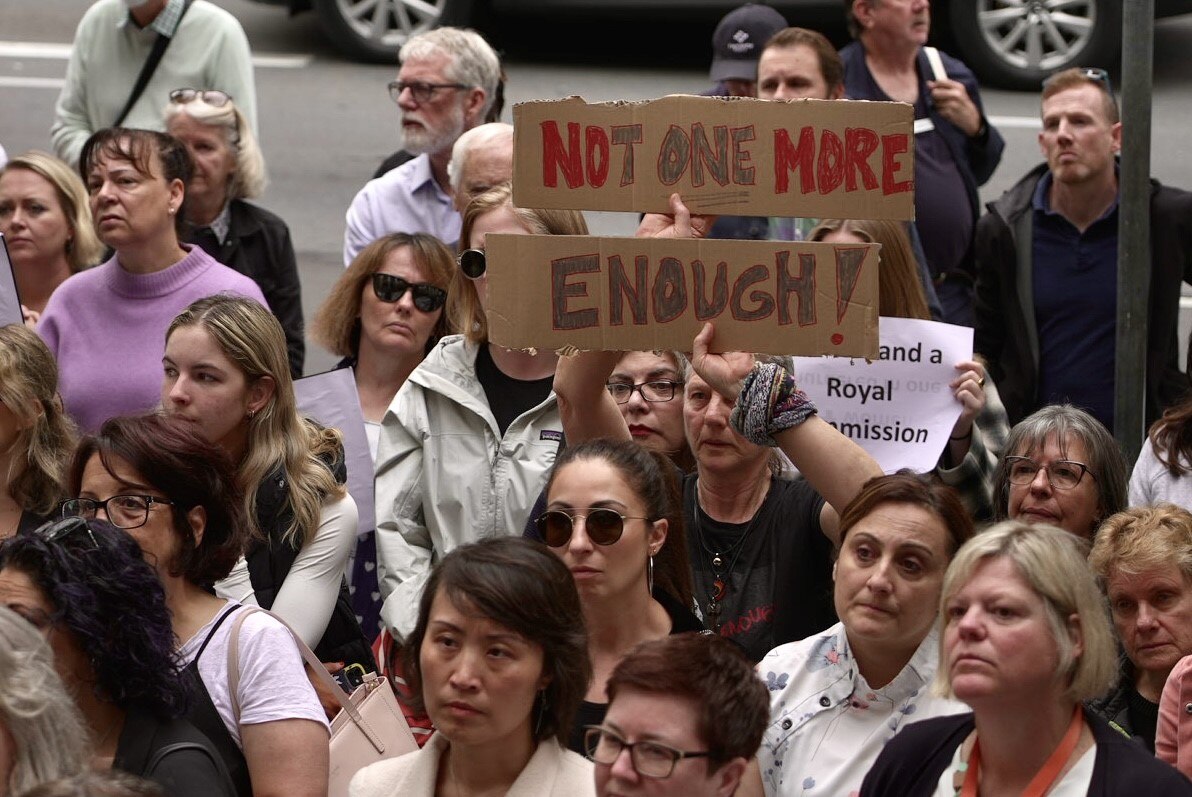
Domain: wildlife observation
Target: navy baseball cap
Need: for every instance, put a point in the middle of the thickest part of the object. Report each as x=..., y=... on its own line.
x=738, y=40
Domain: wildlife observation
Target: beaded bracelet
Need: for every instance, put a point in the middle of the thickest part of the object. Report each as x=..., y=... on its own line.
x=769, y=403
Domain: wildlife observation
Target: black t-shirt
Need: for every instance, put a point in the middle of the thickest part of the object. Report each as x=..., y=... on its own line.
x=780, y=587
x=508, y=397
x=682, y=620
x=1144, y=717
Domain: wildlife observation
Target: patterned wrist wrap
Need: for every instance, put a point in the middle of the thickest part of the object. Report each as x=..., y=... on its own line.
x=769, y=402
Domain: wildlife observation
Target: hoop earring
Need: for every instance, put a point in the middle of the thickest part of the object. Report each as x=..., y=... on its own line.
x=650, y=575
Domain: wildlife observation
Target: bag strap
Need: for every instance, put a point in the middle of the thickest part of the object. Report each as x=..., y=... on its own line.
x=159, y=49
x=218, y=622
x=345, y=702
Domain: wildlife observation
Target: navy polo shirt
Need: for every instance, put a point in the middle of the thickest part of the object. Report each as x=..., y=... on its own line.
x=1075, y=289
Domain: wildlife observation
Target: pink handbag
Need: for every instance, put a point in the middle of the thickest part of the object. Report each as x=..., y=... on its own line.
x=369, y=727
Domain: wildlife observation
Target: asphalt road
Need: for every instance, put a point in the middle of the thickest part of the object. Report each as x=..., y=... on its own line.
x=327, y=122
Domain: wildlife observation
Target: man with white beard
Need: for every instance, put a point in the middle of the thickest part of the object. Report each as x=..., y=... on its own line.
x=205, y=48
x=445, y=86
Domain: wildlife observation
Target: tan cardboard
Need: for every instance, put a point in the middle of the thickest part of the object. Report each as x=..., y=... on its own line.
x=594, y=293
x=723, y=155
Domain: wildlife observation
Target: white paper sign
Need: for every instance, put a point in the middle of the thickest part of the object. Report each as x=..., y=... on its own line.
x=331, y=399
x=10, y=305
x=899, y=408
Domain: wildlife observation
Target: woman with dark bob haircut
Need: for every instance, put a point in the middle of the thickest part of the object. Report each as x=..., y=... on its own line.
x=104, y=613
x=838, y=697
x=498, y=659
x=175, y=492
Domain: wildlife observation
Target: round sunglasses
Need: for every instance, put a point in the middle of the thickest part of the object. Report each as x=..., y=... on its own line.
x=603, y=526
x=390, y=288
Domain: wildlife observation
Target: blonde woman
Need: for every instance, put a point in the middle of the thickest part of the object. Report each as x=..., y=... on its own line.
x=36, y=437
x=46, y=222
x=230, y=169
x=469, y=440
x=225, y=369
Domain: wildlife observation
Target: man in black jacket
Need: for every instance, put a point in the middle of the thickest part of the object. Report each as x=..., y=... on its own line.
x=1046, y=301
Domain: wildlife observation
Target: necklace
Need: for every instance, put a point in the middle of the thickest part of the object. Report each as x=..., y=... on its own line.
x=720, y=578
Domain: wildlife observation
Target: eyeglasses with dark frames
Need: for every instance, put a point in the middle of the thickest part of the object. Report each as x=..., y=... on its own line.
x=1062, y=474
x=420, y=91
x=650, y=759
x=390, y=288
x=123, y=511
x=69, y=526
x=603, y=526
x=213, y=97
x=654, y=390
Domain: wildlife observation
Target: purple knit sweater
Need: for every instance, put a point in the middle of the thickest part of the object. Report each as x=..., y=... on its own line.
x=107, y=328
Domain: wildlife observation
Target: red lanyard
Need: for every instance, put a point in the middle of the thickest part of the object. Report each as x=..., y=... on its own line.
x=1046, y=776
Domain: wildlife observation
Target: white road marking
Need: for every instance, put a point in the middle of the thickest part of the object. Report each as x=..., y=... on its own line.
x=59, y=51
x=32, y=82
x=1020, y=122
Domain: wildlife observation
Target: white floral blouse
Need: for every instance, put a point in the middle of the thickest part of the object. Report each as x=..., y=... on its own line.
x=827, y=725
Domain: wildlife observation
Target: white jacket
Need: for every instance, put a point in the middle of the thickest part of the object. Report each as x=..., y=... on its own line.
x=445, y=476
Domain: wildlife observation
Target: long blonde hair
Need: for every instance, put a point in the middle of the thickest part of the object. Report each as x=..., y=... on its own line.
x=42, y=449
x=900, y=294
x=252, y=338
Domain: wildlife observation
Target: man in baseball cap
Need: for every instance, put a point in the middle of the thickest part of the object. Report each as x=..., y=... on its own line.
x=737, y=45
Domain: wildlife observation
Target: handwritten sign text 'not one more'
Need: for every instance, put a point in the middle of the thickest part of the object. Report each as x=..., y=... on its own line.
x=811, y=158
x=554, y=291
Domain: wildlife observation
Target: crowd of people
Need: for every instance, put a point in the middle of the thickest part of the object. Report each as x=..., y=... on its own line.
x=606, y=572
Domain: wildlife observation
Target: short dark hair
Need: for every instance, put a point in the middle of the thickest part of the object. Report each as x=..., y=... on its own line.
x=921, y=490
x=715, y=675
x=170, y=454
x=521, y=585
x=654, y=477
x=831, y=67
x=137, y=147
x=113, y=603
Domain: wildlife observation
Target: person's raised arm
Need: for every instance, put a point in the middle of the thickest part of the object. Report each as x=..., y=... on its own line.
x=586, y=408
x=771, y=410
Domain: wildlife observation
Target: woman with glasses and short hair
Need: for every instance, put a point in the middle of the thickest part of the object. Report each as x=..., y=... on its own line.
x=612, y=516
x=1061, y=467
x=104, y=325
x=228, y=170
x=467, y=443
x=175, y=492
x=498, y=660
x=101, y=607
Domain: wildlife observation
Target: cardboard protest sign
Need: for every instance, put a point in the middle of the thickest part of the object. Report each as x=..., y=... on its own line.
x=738, y=155
x=331, y=399
x=779, y=297
x=899, y=408
x=10, y=303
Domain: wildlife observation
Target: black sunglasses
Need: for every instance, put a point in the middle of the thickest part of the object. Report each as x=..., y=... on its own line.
x=472, y=263
x=390, y=288
x=603, y=526
x=59, y=530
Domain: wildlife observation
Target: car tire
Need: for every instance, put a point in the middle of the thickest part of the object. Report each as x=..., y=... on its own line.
x=1017, y=43
x=354, y=28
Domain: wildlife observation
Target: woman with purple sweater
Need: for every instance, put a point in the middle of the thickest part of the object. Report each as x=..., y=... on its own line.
x=106, y=326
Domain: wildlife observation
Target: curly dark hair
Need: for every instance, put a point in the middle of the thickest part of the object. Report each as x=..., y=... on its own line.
x=171, y=455
x=110, y=599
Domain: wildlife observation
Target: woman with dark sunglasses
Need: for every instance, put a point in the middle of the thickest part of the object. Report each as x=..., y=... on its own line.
x=467, y=443
x=225, y=370
x=229, y=170
x=86, y=587
x=613, y=517
x=382, y=316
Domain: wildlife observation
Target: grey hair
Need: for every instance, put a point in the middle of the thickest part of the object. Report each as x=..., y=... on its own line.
x=248, y=180
x=1054, y=565
x=51, y=740
x=1065, y=422
x=479, y=136
x=474, y=63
